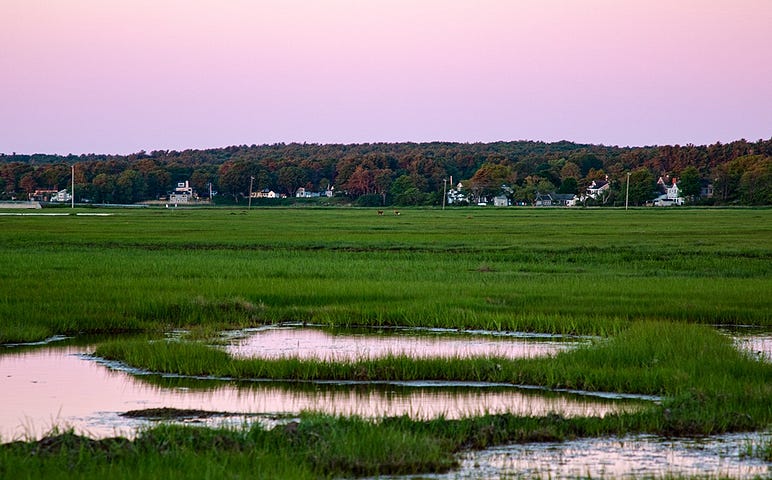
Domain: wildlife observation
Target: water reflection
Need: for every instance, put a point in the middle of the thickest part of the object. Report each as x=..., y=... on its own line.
x=639, y=456
x=317, y=343
x=758, y=345
x=59, y=386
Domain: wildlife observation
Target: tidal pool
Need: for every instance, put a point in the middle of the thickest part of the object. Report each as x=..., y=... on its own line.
x=628, y=457
x=62, y=386
x=323, y=344
x=758, y=344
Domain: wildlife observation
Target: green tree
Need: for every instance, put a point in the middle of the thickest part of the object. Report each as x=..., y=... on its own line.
x=404, y=192
x=130, y=187
x=570, y=170
x=234, y=179
x=489, y=178
x=103, y=188
x=755, y=185
x=290, y=178
x=28, y=183
x=642, y=186
x=689, y=182
x=569, y=185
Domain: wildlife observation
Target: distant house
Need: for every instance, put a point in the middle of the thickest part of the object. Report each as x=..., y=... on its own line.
x=43, y=195
x=50, y=195
x=564, y=199
x=501, y=201
x=62, y=196
x=457, y=196
x=303, y=193
x=543, y=200
x=706, y=189
x=671, y=194
x=598, y=188
x=555, y=200
x=183, y=193
x=265, y=193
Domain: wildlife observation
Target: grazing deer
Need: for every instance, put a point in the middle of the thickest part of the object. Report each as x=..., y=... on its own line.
x=396, y=212
x=380, y=212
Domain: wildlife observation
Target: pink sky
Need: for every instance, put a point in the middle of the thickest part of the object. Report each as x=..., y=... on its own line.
x=119, y=76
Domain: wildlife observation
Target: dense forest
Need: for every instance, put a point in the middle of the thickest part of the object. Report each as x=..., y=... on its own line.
x=739, y=173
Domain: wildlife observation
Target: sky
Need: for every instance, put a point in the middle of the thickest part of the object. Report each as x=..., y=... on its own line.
x=121, y=76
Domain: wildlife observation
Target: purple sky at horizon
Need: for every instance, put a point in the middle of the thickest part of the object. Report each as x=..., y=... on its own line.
x=120, y=76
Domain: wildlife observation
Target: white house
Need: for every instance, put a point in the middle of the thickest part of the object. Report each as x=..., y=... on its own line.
x=265, y=193
x=598, y=188
x=501, y=201
x=61, y=196
x=304, y=193
x=183, y=193
x=671, y=194
x=564, y=199
x=456, y=195
x=542, y=200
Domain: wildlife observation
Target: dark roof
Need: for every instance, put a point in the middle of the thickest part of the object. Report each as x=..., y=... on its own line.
x=563, y=196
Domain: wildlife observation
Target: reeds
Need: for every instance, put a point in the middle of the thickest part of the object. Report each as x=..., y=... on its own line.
x=315, y=447
x=588, y=272
x=707, y=384
x=641, y=279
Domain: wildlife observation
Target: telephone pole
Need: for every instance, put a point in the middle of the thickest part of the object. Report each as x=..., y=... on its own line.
x=444, y=195
x=251, y=179
x=627, y=190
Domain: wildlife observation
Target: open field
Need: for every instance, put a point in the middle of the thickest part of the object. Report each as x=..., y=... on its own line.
x=651, y=283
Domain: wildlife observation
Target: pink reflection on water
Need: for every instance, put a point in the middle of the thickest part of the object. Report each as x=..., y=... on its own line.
x=54, y=386
x=632, y=456
x=315, y=343
x=758, y=345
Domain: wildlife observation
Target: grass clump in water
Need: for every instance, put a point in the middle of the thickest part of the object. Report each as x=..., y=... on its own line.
x=708, y=385
x=314, y=447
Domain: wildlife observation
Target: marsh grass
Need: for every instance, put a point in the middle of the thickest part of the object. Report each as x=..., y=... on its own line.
x=315, y=447
x=641, y=278
x=559, y=271
x=708, y=385
x=761, y=449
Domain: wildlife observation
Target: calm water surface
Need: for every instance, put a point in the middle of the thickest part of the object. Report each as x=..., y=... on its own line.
x=61, y=386
x=629, y=457
x=317, y=343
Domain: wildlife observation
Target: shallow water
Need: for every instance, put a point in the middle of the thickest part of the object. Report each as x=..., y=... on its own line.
x=760, y=345
x=639, y=456
x=61, y=386
x=321, y=344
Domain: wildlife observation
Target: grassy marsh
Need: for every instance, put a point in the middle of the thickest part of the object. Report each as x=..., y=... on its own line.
x=644, y=279
x=578, y=271
x=709, y=386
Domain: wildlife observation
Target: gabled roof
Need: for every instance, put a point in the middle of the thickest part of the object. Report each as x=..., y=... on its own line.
x=563, y=196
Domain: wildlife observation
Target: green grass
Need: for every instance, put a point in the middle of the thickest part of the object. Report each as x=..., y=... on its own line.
x=759, y=449
x=651, y=282
x=577, y=271
x=316, y=447
x=708, y=385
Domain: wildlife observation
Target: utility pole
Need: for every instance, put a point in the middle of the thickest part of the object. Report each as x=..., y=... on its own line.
x=251, y=179
x=444, y=196
x=72, y=193
x=627, y=190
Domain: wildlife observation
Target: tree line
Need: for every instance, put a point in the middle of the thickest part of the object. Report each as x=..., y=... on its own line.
x=374, y=174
